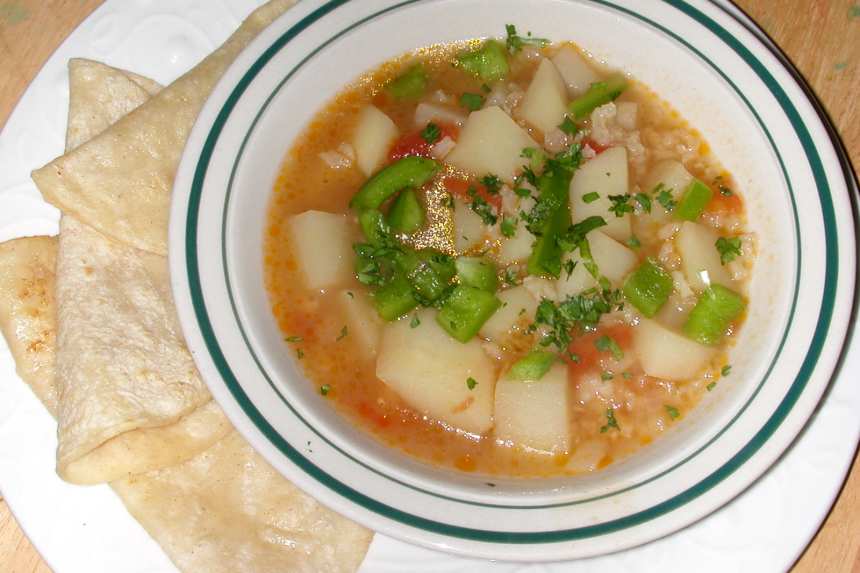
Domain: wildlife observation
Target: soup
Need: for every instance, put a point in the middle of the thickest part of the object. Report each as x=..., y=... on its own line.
x=501, y=257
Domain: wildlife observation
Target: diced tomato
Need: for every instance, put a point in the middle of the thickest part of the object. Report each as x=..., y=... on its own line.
x=460, y=188
x=725, y=203
x=370, y=413
x=584, y=347
x=598, y=149
x=413, y=144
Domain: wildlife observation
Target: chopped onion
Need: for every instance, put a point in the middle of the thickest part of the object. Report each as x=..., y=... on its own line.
x=428, y=112
x=626, y=114
x=442, y=148
x=335, y=159
x=346, y=150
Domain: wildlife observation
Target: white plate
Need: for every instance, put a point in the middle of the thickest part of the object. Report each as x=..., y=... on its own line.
x=87, y=529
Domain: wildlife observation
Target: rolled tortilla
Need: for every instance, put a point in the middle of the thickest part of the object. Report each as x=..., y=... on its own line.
x=224, y=510
x=120, y=182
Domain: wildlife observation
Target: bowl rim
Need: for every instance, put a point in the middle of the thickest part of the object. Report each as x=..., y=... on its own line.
x=190, y=300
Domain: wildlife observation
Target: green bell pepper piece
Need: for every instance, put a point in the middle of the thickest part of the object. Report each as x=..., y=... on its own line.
x=718, y=306
x=598, y=94
x=407, y=172
x=648, y=288
x=466, y=310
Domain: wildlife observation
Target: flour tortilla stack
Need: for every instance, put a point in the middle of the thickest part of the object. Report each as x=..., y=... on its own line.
x=223, y=510
x=132, y=400
x=120, y=181
x=130, y=397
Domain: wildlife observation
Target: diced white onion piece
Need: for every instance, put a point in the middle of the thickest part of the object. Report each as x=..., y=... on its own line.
x=545, y=103
x=322, y=244
x=625, y=114
x=518, y=308
x=578, y=75
x=603, y=129
x=429, y=112
x=668, y=355
x=510, y=201
x=439, y=96
x=516, y=248
x=556, y=141
x=491, y=142
x=497, y=96
x=441, y=149
x=335, y=159
x=363, y=321
x=469, y=229
x=346, y=150
x=429, y=370
x=534, y=414
x=373, y=136
x=700, y=259
x=606, y=175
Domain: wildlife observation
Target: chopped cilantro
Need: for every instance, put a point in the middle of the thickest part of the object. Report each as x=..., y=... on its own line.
x=574, y=314
x=575, y=234
x=300, y=353
x=325, y=389
x=448, y=201
x=342, y=335
x=522, y=192
x=515, y=43
x=725, y=191
x=471, y=383
x=620, y=205
x=591, y=197
x=568, y=127
x=414, y=322
x=672, y=411
x=431, y=133
x=611, y=422
x=537, y=158
x=509, y=226
x=729, y=248
x=727, y=369
x=482, y=208
x=608, y=344
x=711, y=386
x=511, y=276
x=294, y=339
x=664, y=197
x=492, y=183
x=349, y=294
x=644, y=201
x=568, y=160
x=626, y=375
x=472, y=102
x=569, y=265
x=633, y=242
x=606, y=376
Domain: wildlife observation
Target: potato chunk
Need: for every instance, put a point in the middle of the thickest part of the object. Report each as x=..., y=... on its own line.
x=491, y=143
x=674, y=177
x=518, y=306
x=577, y=74
x=469, y=228
x=363, y=321
x=614, y=261
x=545, y=103
x=322, y=244
x=373, y=136
x=430, y=370
x=534, y=414
x=605, y=175
x=666, y=354
x=700, y=259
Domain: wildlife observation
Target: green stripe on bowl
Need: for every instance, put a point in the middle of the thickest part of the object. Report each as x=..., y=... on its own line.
x=524, y=537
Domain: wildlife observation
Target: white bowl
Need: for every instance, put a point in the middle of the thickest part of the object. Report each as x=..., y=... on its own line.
x=748, y=107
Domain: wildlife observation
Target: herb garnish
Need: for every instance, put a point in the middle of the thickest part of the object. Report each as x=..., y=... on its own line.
x=591, y=197
x=711, y=386
x=606, y=376
x=515, y=43
x=620, y=205
x=727, y=369
x=294, y=339
x=342, y=335
x=492, y=183
x=509, y=227
x=633, y=242
x=324, y=389
x=644, y=201
x=431, y=133
x=482, y=208
x=607, y=344
x=471, y=383
x=575, y=313
x=611, y=422
x=664, y=197
x=567, y=126
x=472, y=102
x=415, y=322
x=729, y=248
x=672, y=411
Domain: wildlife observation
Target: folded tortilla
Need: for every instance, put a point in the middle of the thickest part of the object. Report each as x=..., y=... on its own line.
x=130, y=397
x=225, y=510
x=120, y=182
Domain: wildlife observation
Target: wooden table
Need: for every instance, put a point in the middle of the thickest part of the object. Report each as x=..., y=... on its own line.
x=822, y=37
